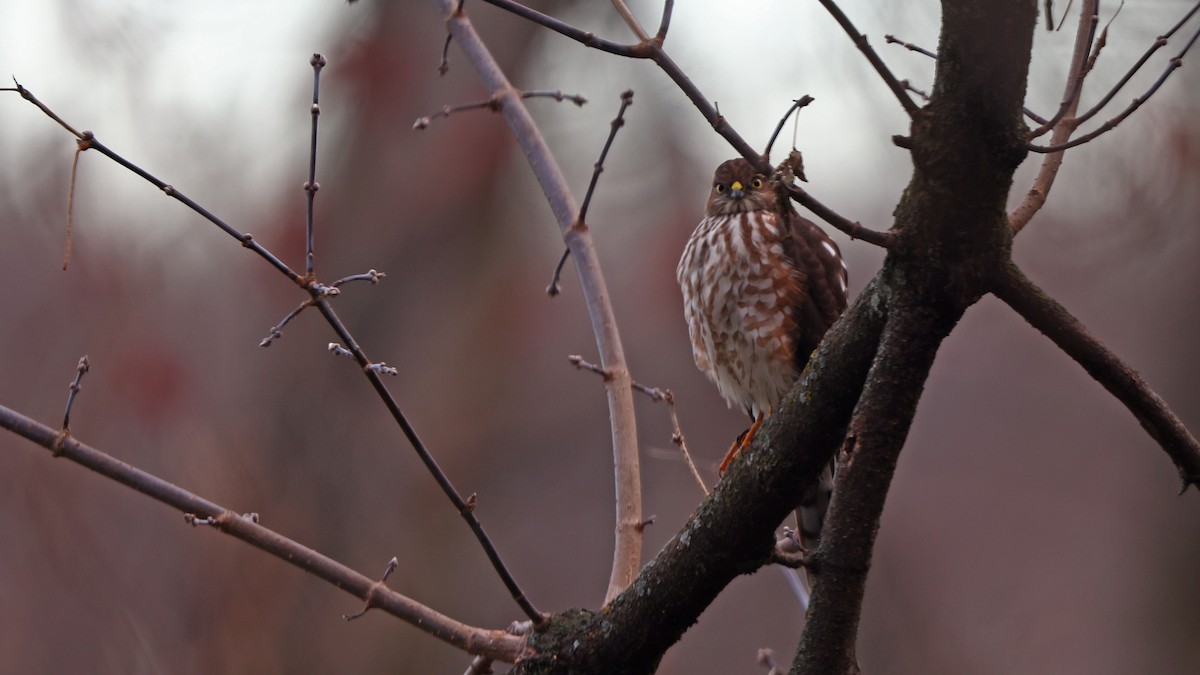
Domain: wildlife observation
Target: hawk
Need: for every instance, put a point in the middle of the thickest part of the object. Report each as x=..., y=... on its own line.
x=761, y=285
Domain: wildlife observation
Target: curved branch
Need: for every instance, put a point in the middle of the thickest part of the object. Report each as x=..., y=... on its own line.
x=1055, y=322
x=618, y=386
x=1088, y=19
x=733, y=530
x=495, y=644
x=1063, y=128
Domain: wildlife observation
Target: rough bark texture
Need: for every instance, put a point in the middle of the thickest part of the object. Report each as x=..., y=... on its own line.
x=952, y=237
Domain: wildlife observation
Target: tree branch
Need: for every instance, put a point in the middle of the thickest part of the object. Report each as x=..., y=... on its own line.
x=877, y=63
x=864, y=473
x=628, y=550
x=318, y=293
x=654, y=51
x=1035, y=198
x=1055, y=322
x=492, y=643
x=733, y=530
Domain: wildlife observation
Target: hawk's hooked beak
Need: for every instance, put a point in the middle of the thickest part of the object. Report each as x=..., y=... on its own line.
x=737, y=190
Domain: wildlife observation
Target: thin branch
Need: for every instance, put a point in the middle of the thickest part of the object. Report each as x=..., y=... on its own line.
x=370, y=276
x=82, y=367
x=444, y=65
x=597, y=169
x=277, y=330
x=493, y=643
x=318, y=294
x=627, y=552
x=463, y=507
x=562, y=28
x=794, y=108
x=1089, y=18
x=630, y=20
x=493, y=105
x=877, y=63
x=655, y=395
x=924, y=96
x=653, y=50
x=311, y=186
x=28, y=96
x=89, y=140
x=1159, y=42
x=1056, y=323
x=1172, y=65
x=1035, y=198
x=850, y=227
x=387, y=572
x=891, y=39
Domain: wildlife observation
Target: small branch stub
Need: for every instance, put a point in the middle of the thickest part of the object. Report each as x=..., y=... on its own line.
x=391, y=567
x=82, y=367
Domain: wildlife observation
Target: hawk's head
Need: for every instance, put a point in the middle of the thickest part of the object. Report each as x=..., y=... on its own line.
x=737, y=188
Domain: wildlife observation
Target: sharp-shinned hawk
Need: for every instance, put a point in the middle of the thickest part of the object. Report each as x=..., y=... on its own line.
x=761, y=285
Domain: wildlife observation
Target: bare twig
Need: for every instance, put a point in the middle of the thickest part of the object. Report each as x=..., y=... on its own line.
x=1175, y=62
x=277, y=329
x=1159, y=42
x=371, y=276
x=891, y=39
x=1035, y=198
x=387, y=572
x=1056, y=323
x=852, y=228
x=919, y=92
x=28, y=96
x=655, y=394
x=597, y=168
x=1089, y=18
x=494, y=643
x=628, y=550
x=794, y=108
x=493, y=105
x=319, y=294
x=82, y=367
x=653, y=51
x=311, y=186
x=566, y=29
x=860, y=41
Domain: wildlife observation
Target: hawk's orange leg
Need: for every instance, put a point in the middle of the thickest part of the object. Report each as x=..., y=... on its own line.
x=740, y=444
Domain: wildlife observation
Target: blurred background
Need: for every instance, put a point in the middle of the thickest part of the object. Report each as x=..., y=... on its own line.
x=1033, y=527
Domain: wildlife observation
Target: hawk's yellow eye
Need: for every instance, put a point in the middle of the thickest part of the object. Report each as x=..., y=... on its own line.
x=756, y=183
x=720, y=187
